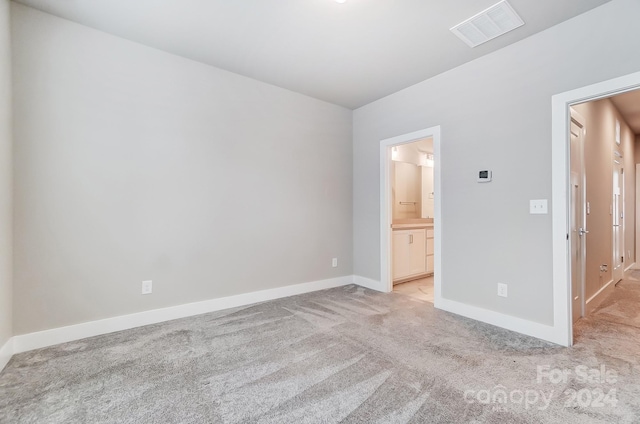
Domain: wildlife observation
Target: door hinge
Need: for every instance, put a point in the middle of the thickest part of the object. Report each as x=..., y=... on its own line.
x=622, y=259
x=567, y=236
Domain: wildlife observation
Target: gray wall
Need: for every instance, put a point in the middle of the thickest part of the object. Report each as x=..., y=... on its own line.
x=495, y=113
x=134, y=164
x=6, y=248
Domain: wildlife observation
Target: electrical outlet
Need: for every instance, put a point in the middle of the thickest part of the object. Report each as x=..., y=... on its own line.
x=147, y=287
x=334, y=262
x=502, y=290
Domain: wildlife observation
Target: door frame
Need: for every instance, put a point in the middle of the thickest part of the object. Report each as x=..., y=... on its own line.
x=637, y=209
x=579, y=119
x=560, y=186
x=386, y=279
x=618, y=158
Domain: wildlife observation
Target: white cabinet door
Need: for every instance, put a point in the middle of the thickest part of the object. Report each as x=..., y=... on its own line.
x=430, y=267
x=430, y=251
x=409, y=250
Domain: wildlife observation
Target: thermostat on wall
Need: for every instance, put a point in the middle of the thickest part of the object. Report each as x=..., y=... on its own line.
x=484, y=176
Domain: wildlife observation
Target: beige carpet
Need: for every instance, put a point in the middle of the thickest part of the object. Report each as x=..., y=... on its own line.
x=341, y=355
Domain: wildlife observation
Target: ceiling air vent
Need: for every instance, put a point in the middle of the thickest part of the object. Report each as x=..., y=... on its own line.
x=488, y=24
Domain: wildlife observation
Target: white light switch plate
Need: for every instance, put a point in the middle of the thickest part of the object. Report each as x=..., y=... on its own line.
x=538, y=206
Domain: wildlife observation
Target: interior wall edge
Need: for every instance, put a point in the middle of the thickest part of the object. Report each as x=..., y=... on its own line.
x=6, y=352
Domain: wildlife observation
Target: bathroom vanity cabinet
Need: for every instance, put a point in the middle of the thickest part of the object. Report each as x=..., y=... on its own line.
x=412, y=253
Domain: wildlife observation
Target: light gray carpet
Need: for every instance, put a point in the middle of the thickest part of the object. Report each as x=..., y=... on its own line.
x=341, y=355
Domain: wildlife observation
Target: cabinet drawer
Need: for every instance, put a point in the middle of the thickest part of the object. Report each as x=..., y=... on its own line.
x=430, y=233
x=430, y=246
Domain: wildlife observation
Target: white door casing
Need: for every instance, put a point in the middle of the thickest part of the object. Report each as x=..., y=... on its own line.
x=578, y=229
x=637, y=217
x=617, y=218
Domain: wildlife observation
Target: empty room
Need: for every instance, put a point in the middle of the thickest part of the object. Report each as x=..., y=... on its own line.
x=319, y=211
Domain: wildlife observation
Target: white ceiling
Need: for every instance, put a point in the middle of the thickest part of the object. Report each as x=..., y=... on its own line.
x=348, y=54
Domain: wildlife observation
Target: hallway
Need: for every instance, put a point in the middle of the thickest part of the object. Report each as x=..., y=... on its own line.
x=616, y=320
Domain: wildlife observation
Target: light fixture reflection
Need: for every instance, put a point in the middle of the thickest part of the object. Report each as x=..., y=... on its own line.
x=427, y=160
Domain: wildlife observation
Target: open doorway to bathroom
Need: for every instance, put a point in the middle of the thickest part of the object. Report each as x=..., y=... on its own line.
x=411, y=237
x=412, y=218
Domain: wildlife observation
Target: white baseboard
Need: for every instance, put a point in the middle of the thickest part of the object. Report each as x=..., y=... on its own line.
x=369, y=283
x=37, y=340
x=6, y=352
x=519, y=325
x=629, y=267
x=595, y=300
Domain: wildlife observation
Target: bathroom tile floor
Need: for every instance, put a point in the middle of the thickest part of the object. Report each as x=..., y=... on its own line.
x=420, y=289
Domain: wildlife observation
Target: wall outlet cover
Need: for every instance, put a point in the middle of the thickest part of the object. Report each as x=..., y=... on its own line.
x=502, y=290
x=147, y=287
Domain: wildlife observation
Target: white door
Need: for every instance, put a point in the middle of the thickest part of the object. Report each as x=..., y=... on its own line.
x=577, y=218
x=617, y=214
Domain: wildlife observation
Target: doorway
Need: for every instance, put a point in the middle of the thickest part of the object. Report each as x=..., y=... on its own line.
x=602, y=141
x=568, y=239
x=412, y=218
x=417, y=241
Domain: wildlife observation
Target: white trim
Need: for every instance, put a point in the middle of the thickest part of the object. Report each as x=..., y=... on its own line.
x=592, y=303
x=6, y=352
x=560, y=103
x=369, y=283
x=437, y=219
x=386, y=281
x=581, y=122
x=519, y=325
x=637, y=211
x=629, y=267
x=26, y=342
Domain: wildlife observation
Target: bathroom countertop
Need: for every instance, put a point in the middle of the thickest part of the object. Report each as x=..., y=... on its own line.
x=409, y=224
